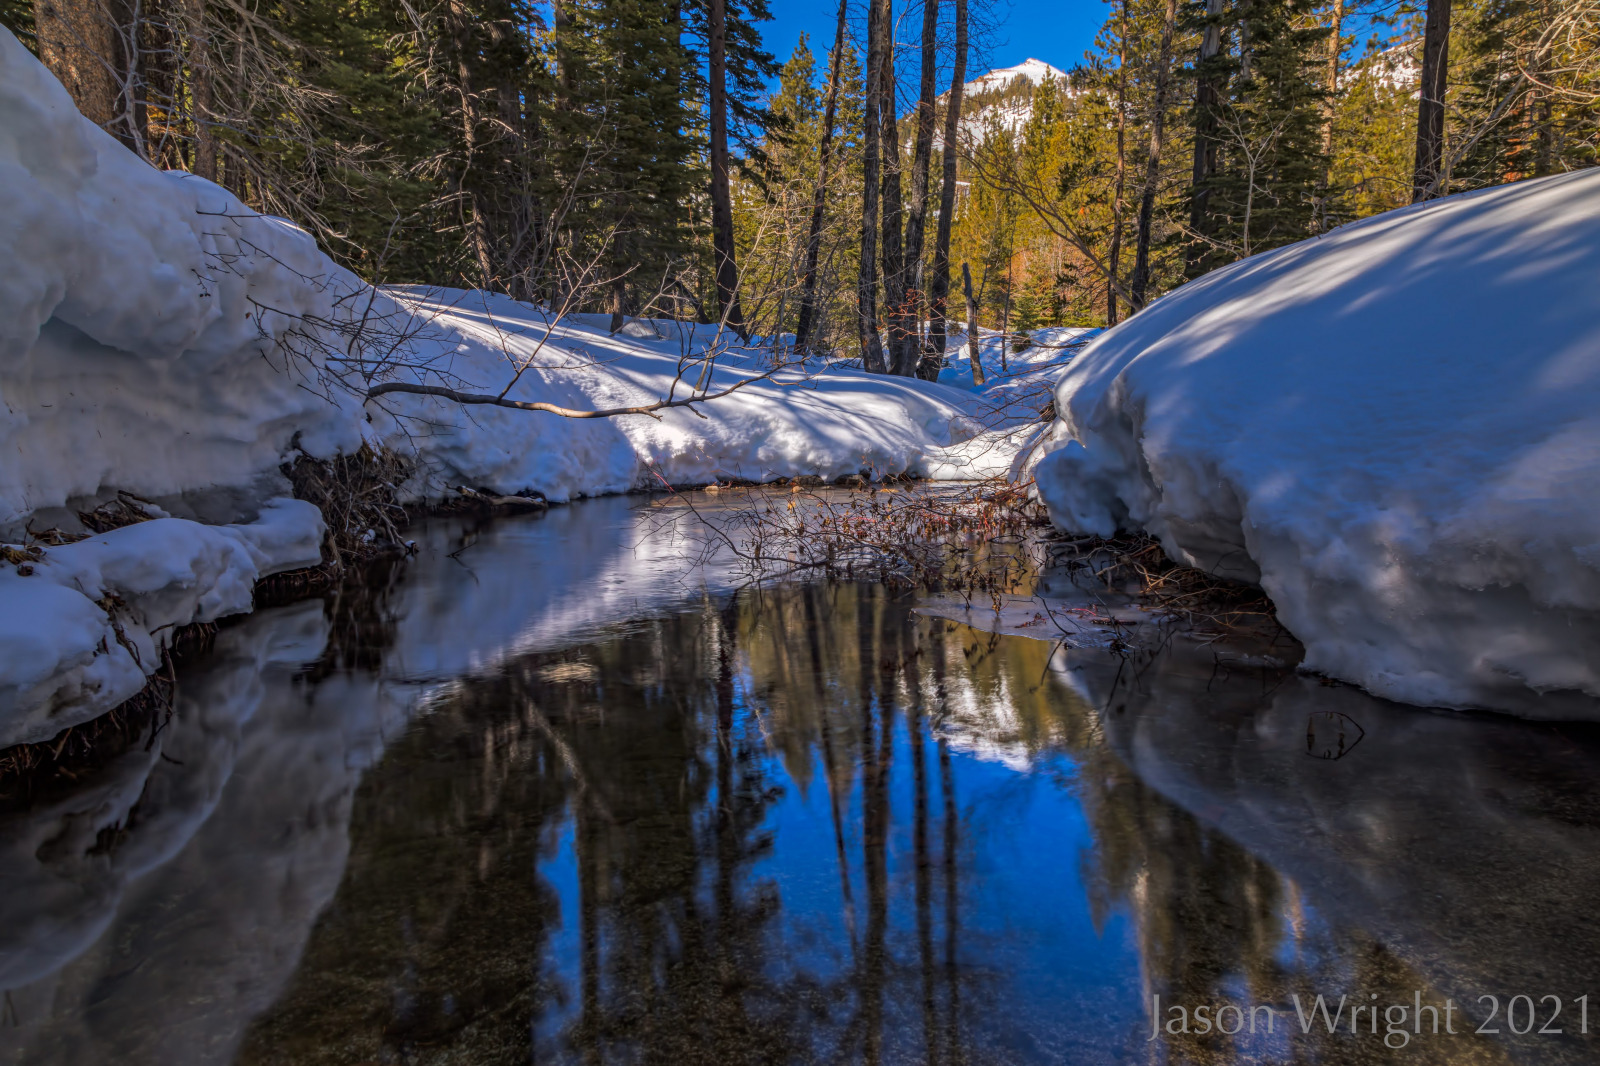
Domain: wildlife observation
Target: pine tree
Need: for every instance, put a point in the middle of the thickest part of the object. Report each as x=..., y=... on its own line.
x=1264, y=190
x=733, y=81
x=939, y=288
x=872, y=355
x=919, y=361
x=1525, y=105
x=804, y=327
x=623, y=142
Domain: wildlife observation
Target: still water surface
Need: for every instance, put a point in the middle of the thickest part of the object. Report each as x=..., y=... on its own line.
x=548, y=798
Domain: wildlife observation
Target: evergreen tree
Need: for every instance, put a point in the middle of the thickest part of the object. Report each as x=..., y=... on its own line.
x=1526, y=105
x=939, y=286
x=732, y=78
x=622, y=140
x=1264, y=190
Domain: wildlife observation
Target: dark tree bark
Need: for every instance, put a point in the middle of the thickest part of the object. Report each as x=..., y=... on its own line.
x=1115, y=255
x=972, y=326
x=1336, y=18
x=867, y=278
x=1425, y=184
x=471, y=194
x=921, y=161
x=197, y=28
x=94, y=48
x=897, y=316
x=939, y=287
x=1140, y=283
x=808, y=285
x=1207, y=100
x=722, y=250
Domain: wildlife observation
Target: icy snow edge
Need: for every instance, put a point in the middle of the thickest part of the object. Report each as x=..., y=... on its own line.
x=81, y=632
x=1394, y=429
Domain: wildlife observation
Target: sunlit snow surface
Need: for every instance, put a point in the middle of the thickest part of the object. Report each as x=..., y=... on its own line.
x=1395, y=428
x=158, y=337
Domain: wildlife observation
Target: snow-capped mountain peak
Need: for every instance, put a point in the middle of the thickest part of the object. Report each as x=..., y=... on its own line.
x=1034, y=70
x=1003, y=96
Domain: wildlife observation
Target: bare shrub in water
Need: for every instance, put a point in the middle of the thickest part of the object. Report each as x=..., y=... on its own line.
x=970, y=540
x=1135, y=564
x=358, y=496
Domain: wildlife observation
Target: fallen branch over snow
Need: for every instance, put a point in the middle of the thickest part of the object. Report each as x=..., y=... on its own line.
x=555, y=409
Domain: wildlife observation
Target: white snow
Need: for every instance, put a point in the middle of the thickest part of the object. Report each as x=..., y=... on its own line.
x=1035, y=71
x=824, y=422
x=79, y=634
x=1011, y=116
x=160, y=338
x=1394, y=428
x=1017, y=388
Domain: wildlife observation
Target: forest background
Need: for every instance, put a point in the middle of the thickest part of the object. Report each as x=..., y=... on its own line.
x=651, y=157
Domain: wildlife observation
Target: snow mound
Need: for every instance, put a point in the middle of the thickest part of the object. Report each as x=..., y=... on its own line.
x=158, y=337
x=1034, y=70
x=1394, y=429
x=80, y=632
x=1017, y=389
x=134, y=350
x=818, y=420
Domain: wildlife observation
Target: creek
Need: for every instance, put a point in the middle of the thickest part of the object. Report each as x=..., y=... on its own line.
x=548, y=793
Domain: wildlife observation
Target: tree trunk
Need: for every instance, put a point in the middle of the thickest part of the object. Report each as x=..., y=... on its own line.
x=972, y=326
x=1114, y=259
x=921, y=161
x=722, y=250
x=1140, y=284
x=1206, y=100
x=1425, y=184
x=477, y=224
x=566, y=77
x=939, y=287
x=1336, y=17
x=901, y=340
x=867, y=277
x=808, y=286
x=619, y=304
x=77, y=41
x=198, y=31
x=1005, y=315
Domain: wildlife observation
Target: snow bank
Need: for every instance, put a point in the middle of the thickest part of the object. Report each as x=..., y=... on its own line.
x=160, y=338
x=80, y=632
x=134, y=353
x=157, y=336
x=821, y=421
x=1394, y=428
x=1017, y=388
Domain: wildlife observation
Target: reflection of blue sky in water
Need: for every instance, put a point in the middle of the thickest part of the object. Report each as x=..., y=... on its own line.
x=1038, y=977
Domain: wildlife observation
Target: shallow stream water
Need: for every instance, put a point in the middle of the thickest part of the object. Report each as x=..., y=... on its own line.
x=549, y=795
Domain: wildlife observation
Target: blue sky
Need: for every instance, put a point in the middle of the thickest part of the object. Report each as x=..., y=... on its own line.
x=1056, y=31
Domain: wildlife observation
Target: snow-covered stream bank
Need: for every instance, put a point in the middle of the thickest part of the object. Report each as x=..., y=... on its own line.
x=1394, y=428
x=159, y=338
x=1391, y=427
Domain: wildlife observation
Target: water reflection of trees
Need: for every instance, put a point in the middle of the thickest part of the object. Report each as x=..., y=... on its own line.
x=645, y=768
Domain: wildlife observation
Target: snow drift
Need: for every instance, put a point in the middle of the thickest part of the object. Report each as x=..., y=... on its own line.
x=158, y=337
x=1394, y=429
x=81, y=628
